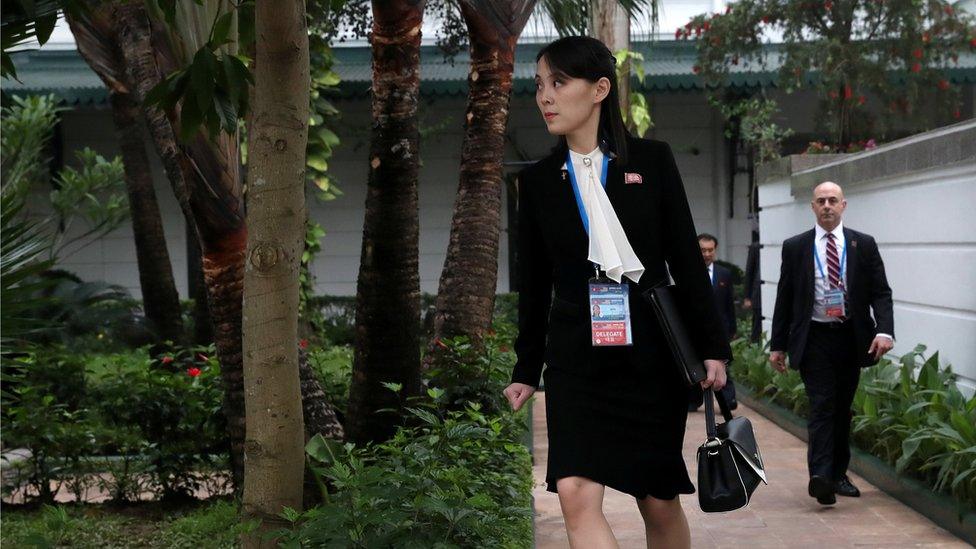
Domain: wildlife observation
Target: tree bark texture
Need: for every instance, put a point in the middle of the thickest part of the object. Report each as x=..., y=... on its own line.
x=466, y=295
x=160, y=299
x=97, y=39
x=320, y=417
x=274, y=458
x=388, y=290
x=206, y=181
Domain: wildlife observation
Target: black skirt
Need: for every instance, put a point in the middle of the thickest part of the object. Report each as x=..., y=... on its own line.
x=615, y=415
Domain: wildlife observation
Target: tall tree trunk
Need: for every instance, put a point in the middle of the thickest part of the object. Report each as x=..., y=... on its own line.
x=205, y=179
x=97, y=41
x=466, y=296
x=275, y=447
x=610, y=24
x=160, y=299
x=388, y=291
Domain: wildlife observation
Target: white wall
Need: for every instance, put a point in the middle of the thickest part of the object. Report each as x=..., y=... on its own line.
x=923, y=222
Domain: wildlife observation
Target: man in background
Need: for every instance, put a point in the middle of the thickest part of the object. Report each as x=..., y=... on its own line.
x=722, y=290
x=752, y=301
x=831, y=280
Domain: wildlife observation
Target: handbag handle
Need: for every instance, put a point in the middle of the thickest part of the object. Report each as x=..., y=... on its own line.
x=710, y=430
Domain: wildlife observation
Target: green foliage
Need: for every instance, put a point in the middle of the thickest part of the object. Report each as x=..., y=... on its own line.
x=333, y=368
x=212, y=87
x=638, y=115
x=862, y=51
x=94, y=194
x=456, y=475
x=458, y=479
x=910, y=414
x=26, y=128
x=22, y=250
x=751, y=120
x=159, y=419
x=211, y=525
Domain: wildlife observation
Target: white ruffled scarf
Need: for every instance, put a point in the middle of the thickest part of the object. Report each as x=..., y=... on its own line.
x=609, y=246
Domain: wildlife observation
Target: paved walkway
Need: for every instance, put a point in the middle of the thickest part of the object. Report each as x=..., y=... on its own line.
x=780, y=514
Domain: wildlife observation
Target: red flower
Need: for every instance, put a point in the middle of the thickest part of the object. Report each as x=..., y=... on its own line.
x=948, y=10
x=677, y=34
x=303, y=343
x=917, y=53
x=848, y=92
x=706, y=25
x=860, y=100
x=728, y=10
x=167, y=360
x=943, y=84
x=828, y=4
x=926, y=38
x=696, y=69
x=917, y=67
x=833, y=94
x=765, y=19
x=193, y=372
x=957, y=114
x=972, y=42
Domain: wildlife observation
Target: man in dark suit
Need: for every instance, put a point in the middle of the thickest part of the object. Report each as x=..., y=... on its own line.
x=831, y=280
x=722, y=290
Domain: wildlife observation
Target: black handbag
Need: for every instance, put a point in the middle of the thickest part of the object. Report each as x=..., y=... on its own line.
x=730, y=465
x=664, y=299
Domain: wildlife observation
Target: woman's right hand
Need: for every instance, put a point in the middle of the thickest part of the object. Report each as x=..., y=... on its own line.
x=517, y=394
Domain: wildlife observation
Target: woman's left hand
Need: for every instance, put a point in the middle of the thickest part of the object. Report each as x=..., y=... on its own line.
x=716, y=375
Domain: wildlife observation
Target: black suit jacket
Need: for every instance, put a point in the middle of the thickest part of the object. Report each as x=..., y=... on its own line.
x=867, y=291
x=722, y=289
x=553, y=248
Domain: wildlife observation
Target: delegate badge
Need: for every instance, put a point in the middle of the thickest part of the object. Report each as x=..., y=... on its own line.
x=610, y=315
x=834, y=302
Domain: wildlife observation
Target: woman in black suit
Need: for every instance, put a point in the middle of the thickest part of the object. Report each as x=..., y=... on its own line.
x=615, y=414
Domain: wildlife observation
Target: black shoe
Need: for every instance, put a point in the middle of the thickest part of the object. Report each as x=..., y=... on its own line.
x=822, y=489
x=844, y=487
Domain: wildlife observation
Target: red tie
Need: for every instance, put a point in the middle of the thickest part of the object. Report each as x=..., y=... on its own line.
x=833, y=262
x=833, y=267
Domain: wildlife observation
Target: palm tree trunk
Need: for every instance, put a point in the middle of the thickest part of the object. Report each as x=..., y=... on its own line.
x=275, y=448
x=205, y=180
x=160, y=299
x=388, y=291
x=610, y=24
x=97, y=39
x=466, y=296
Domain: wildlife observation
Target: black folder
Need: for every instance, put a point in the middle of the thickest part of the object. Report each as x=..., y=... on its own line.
x=666, y=302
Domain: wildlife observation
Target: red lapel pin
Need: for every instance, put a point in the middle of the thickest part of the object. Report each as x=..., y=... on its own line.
x=633, y=179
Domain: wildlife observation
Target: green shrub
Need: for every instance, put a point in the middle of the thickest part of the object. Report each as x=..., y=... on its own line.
x=460, y=479
x=456, y=475
x=333, y=368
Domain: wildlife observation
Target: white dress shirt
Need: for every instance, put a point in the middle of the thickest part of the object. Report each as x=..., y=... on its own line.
x=820, y=284
x=609, y=246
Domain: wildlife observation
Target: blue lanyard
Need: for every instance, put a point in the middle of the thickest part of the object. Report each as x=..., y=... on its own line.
x=576, y=191
x=843, y=264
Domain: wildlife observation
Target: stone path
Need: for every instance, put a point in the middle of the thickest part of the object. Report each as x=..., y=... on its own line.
x=780, y=515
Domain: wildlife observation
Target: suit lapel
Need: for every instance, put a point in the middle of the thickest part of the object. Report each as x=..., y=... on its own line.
x=806, y=267
x=850, y=244
x=561, y=189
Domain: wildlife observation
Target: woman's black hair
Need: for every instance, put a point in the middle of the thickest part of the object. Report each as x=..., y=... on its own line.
x=586, y=57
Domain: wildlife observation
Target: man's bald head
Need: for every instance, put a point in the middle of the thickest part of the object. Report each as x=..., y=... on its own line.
x=828, y=204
